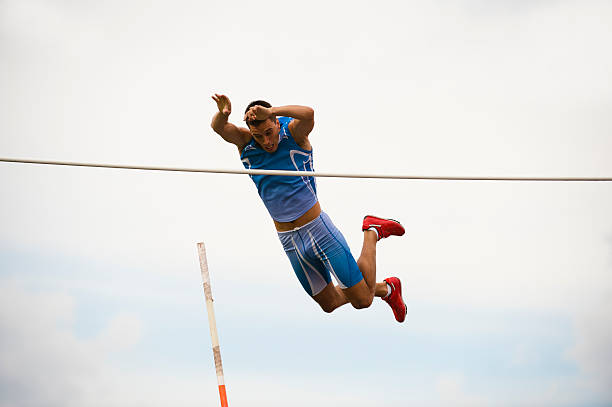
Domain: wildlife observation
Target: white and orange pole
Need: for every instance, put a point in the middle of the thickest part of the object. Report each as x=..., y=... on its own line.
x=212, y=323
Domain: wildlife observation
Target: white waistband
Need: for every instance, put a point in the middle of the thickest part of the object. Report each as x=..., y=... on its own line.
x=300, y=227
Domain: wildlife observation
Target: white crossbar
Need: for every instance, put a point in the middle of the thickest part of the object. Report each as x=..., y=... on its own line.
x=304, y=173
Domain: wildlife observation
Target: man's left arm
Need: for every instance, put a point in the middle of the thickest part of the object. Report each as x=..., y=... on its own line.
x=302, y=124
x=300, y=127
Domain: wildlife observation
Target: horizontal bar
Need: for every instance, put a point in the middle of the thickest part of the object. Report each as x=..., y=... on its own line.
x=303, y=173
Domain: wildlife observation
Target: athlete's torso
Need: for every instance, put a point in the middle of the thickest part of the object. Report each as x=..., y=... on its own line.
x=286, y=198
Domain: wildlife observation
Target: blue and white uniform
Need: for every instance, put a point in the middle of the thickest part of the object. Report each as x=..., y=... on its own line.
x=317, y=249
x=286, y=198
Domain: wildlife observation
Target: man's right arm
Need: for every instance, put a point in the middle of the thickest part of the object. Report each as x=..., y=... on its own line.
x=239, y=136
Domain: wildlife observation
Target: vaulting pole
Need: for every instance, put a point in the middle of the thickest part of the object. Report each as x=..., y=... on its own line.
x=212, y=323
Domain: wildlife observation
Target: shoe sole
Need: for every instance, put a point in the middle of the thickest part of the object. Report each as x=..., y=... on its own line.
x=402, y=297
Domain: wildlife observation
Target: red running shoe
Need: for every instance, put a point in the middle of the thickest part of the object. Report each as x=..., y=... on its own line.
x=384, y=227
x=395, y=300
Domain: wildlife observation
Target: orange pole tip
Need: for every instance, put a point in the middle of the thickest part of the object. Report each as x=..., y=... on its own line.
x=223, y=395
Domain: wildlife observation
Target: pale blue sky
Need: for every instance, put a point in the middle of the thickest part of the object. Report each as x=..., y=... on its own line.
x=508, y=284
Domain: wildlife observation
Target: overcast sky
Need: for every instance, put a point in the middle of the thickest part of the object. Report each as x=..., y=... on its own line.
x=509, y=284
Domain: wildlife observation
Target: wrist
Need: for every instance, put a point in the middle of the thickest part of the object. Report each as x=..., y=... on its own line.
x=219, y=120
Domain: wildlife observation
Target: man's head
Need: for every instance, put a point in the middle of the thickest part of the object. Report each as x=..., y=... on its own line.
x=264, y=132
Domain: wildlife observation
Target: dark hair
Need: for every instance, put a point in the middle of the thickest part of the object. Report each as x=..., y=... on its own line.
x=257, y=103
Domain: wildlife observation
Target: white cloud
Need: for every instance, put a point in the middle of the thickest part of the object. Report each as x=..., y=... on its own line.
x=593, y=344
x=42, y=362
x=123, y=332
x=451, y=390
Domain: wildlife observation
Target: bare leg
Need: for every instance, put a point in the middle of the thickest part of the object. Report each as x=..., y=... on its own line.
x=360, y=295
x=330, y=298
x=367, y=260
x=381, y=289
x=367, y=264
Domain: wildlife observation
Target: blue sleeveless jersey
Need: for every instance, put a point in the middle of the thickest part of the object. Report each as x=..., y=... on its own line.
x=286, y=198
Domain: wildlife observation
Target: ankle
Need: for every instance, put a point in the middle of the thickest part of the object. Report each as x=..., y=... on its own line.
x=372, y=232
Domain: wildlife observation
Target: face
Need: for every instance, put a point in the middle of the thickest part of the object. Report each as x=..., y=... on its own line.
x=266, y=134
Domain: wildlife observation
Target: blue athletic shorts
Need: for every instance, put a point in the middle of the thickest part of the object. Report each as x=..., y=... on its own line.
x=317, y=250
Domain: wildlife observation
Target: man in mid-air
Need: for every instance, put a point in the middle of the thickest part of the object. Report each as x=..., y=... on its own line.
x=276, y=138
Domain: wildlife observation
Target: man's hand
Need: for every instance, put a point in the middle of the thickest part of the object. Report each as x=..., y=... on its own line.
x=223, y=103
x=257, y=113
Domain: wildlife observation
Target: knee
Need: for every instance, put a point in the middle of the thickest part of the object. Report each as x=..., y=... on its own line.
x=328, y=308
x=361, y=303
